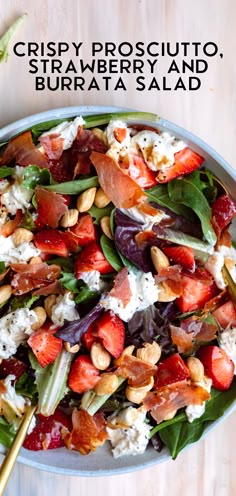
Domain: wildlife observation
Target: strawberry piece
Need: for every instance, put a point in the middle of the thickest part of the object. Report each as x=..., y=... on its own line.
x=217, y=366
x=9, y=227
x=92, y=258
x=172, y=369
x=12, y=366
x=83, y=375
x=182, y=255
x=84, y=230
x=223, y=211
x=194, y=294
x=225, y=314
x=50, y=207
x=120, y=134
x=89, y=337
x=138, y=170
x=110, y=328
x=47, y=434
x=51, y=242
x=186, y=161
x=45, y=346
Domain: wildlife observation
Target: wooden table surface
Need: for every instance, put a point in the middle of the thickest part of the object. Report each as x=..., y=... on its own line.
x=208, y=468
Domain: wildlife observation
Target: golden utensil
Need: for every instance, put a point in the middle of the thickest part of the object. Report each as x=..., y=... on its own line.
x=10, y=458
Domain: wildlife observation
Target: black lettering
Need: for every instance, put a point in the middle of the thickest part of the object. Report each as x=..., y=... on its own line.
x=200, y=62
x=39, y=83
x=173, y=67
x=70, y=67
x=101, y=66
x=165, y=87
x=106, y=79
x=196, y=85
x=180, y=85
x=149, y=47
x=79, y=83
x=140, y=80
x=77, y=47
x=33, y=64
x=15, y=49
x=120, y=85
x=62, y=48
x=137, y=66
x=208, y=47
x=93, y=85
x=33, y=49
x=66, y=83
x=126, y=64
x=154, y=85
x=122, y=49
x=51, y=49
x=96, y=47
x=87, y=67
x=56, y=65
x=110, y=49
x=139, y=49
x=113, y=66
x=152, y=64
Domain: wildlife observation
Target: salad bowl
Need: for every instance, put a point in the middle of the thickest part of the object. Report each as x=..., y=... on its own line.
x=101, y=462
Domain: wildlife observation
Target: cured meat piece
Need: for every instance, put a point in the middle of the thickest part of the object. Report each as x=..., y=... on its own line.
x=50, y=206
x=135, y=370
x=33, y=276
x=88, y=432
x=121, y=288
x=24, y=152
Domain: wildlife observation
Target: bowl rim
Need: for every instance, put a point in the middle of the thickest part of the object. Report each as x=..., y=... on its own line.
x=20, y=125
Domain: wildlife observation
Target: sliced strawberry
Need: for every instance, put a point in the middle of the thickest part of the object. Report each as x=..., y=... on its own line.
x=50, y=206
x=195, y=294
x=225, y=314
x=186, y=161
x=120, y=134
x=9, y=227
x=223, y=211
x=89, y=337
x=110, y=328
x=92, y=258
x=84, y=230
x=217, y=366
x=47, y=434
x=182, y=255
x=51, y=242
x=45, y=346
x=12, y=366
x=83, y=375
x=138, y=170
x=172, y=369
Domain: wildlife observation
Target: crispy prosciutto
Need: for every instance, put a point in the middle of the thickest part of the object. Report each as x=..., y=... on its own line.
x=50, y=206
x=24, y=152
x=166, y=399
x=53, y=145
x=87, y=433
x=32, y=276
x=135, y=370
x=191, y=332
x=122, y=190
x=121, y=288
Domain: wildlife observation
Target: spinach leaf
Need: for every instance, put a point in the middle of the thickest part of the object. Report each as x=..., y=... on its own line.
x=74, y=187
x=69, y=281
x=160, y=195
x=6, y=38
x=33, y=175
x=182, y=239
x=98, y=213
x=185, y=191
x=7, y=433
x=40, y=128
x=65, y=263
x=26, y=386
x=6, y=171
x=85, y=294
x=27, y=221
x=177, y=435
x=23, y=301
x=2, y=267
x=111, y=253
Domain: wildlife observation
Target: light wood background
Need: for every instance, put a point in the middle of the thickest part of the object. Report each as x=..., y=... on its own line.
x=208, y=468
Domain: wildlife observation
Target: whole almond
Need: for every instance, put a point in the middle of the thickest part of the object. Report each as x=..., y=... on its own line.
x=86, y=199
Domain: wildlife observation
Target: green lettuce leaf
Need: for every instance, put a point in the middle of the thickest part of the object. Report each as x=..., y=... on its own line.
x=6, y=171
x=7, y=433
x=98, y=213
x=23, y=301
x=73, y=187
x=6, y=38
x=111, y=253
x=33, y=175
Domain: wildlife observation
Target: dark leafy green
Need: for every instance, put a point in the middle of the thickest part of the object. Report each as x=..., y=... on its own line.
x=160, y=195
x=74, y=187
x=6, y=171
x=7, y=433
x=33, y=175
x=73, y=331
x=27, y=221
x=111, y=253
x=26, y=386
x=98, y=213
x=188, y=192
x=2, y=267
x=176, y=435
x=66, y=264
x=85, y=295
x=23, y=301
x=69, y=281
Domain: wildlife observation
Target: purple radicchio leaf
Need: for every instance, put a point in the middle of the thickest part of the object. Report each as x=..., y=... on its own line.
x=153, y=324
x=73, y=331
x=125, y=232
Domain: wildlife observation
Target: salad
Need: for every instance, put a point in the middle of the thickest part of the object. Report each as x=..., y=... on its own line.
x=118, y=295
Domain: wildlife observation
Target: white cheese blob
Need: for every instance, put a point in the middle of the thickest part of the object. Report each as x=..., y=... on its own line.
x=196, y=411
x=67, y=131
x=147, y=220
x=144, y=293
x=12, y=405
x=64, y=309
x=9, y=253
x=16, y=197
x=15, y=328
x=176, y=144
x=227, y=341
x=92, y=279
x=216, y=261
x=132, y=438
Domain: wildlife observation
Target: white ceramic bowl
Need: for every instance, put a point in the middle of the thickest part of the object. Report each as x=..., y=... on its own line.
x=101, y=462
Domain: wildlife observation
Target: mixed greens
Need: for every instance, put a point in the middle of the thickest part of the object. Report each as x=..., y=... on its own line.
x=117, y=294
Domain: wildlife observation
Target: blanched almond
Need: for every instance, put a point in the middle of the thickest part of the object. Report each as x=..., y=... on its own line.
x=137, y=394
x=101, y=200
x=159, y=259
x=5, y=293
x=86, y=199
x=105, y=225
x=70, y=218
x=100, y=357
x=49, y=302
x=151, y=352
x=196, y=369
x=107, y=384
x=22, y=235
x=71, y=349
x=41, y=316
